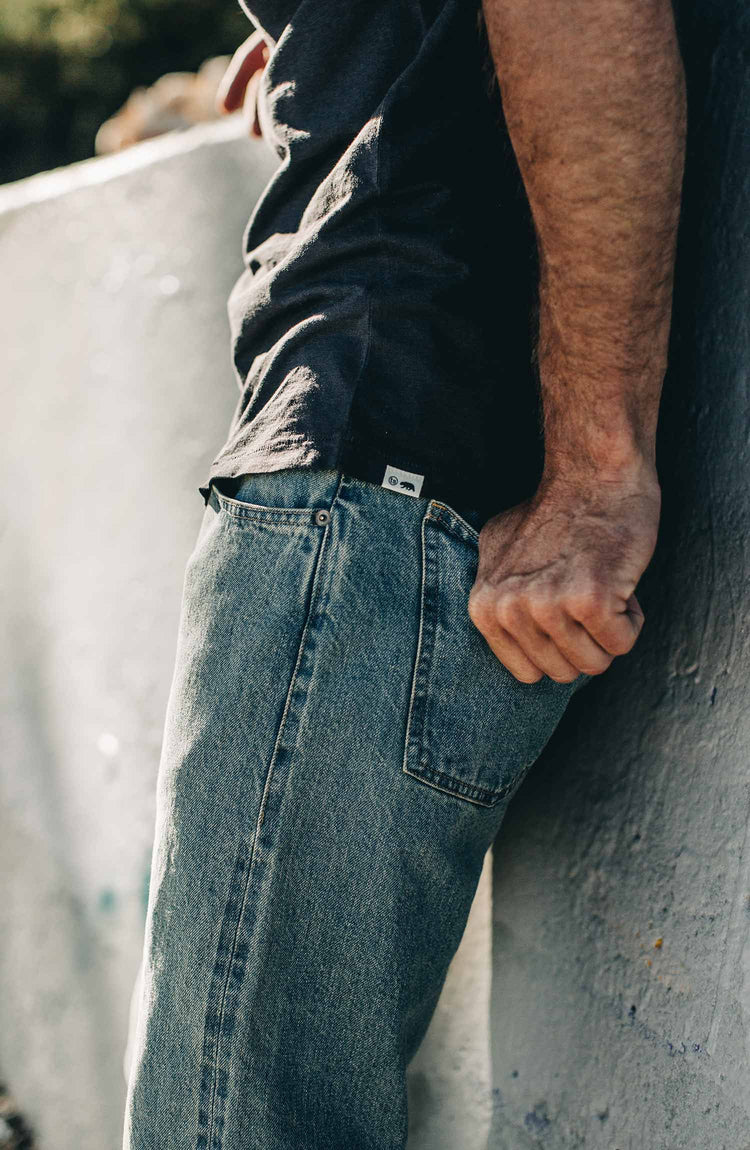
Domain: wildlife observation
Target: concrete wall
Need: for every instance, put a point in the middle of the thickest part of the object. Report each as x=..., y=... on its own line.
x=621, y=978
x=117, y=392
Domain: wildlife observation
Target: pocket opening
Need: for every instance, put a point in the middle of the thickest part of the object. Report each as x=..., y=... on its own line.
x=473, y=730
x=287, y=495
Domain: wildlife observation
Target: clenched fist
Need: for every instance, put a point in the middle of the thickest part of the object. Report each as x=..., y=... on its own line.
x=555, y=587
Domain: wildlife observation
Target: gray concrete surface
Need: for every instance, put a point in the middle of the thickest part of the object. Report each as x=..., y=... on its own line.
x=621, y=977
x=117, y=392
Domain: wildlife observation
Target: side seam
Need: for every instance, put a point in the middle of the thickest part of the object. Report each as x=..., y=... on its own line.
x=232, y=950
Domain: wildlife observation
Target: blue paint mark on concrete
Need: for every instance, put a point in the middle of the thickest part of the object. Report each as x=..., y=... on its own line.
x=107, y=900
x=537, y=1119
x=645, y=1032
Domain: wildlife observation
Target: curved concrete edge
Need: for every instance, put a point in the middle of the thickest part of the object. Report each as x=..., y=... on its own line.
x=101, y=169
x=116, y=363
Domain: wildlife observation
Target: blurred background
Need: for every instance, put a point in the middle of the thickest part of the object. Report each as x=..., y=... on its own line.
x=68, y=66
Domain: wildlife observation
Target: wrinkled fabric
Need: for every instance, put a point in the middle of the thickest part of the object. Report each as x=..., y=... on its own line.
x=383, y=317
x=340, y=748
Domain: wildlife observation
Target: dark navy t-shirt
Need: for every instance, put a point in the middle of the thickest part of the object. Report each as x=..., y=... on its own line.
x=382, y=325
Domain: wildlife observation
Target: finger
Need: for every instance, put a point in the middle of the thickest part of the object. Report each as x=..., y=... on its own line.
x=615, y=629
x=511, y=656
x=576, y=644
x=250, y=106
x=246, y=61
x=539, y=647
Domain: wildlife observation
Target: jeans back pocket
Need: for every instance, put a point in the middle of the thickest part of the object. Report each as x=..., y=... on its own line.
x=473, y=729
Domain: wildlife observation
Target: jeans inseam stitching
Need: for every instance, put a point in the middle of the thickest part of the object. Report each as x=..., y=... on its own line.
x=258, y=825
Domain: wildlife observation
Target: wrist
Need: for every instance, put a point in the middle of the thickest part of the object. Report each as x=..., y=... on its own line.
x=625, y=466
x=600, y=422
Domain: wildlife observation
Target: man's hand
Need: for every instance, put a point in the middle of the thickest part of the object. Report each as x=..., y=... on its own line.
x=554, y=591
x=239, y=84
x=594, y=100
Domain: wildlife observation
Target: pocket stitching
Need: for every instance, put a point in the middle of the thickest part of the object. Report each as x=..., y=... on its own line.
x=444, y=515
x=416, y=716
x=419, y=673
x=457, y=788
x=240, y=510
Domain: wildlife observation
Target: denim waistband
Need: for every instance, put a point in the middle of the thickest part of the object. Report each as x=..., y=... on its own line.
x=310, y=487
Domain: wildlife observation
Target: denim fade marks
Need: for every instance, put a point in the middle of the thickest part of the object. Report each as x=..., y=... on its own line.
x=234, y=939
x=229, y=971
x=308, y=892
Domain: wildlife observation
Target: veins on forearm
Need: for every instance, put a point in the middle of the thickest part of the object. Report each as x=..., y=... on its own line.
x=593, y=96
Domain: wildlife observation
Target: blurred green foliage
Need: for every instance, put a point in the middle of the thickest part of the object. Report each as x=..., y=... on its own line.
x=67, y=65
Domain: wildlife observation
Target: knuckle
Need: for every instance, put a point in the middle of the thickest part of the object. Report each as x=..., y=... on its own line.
x=473, y=607
x=508, y=610
x=503, y=617
x=543, y=605
x=479, y=609
x=546, y=612
x=587, y=603
x=621, y=644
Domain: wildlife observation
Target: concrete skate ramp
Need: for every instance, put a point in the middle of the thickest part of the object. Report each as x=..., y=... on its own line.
x=621, y=965
x=118, y=390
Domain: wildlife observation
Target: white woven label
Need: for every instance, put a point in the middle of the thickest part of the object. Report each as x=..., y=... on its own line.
x=407, y=482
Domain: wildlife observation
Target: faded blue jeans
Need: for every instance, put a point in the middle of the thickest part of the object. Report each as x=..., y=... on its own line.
x=339, y=751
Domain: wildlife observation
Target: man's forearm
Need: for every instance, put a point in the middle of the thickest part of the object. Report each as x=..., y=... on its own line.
x=594, y=98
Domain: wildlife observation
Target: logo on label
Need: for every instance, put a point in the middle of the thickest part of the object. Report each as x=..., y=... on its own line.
x=405, y=481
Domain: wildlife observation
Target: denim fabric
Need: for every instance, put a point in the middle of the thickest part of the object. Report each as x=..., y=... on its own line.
x=339, y=751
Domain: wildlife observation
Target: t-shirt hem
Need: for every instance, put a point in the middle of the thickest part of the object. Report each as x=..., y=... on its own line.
x=370, y=467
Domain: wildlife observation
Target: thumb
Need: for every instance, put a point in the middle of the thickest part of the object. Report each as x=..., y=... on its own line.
x=635, y=614
x=250, y=57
